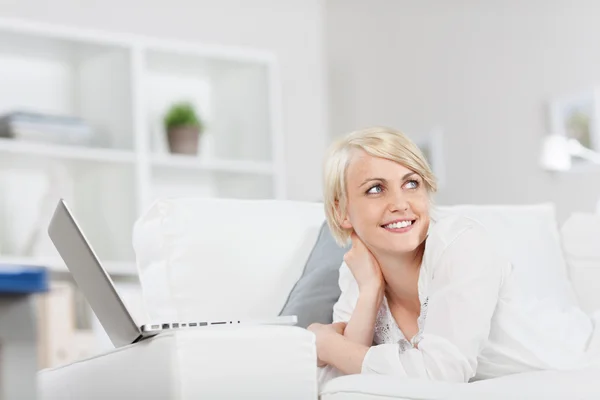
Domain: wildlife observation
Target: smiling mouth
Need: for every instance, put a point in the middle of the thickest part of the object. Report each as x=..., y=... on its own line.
x=400, y=224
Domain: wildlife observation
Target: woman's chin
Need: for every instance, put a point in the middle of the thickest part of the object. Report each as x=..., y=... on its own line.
x=403, y=246
x=403, y=250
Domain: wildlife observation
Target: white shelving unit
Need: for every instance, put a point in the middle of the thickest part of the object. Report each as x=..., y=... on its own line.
x=17, y=149
x=122, y=85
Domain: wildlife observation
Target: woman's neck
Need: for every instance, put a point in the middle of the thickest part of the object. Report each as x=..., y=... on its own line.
x=401, y=275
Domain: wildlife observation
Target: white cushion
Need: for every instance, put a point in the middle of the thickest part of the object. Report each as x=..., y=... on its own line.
x=255, y=362
x=547, y=385
x=581, y=242
x=201, y=258
x=529, y=236
x=381, y=387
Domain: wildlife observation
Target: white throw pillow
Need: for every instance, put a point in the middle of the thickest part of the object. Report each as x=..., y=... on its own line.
x=581, y=242
x=529, y=237
x=202, y=258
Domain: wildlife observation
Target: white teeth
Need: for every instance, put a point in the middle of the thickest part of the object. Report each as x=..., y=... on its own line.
x=397, y=225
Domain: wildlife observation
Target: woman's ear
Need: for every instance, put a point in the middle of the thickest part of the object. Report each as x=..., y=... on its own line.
x=343, y=218
x=346, y=224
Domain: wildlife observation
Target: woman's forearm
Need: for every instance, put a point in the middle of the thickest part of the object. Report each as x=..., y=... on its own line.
x=361, y=326
x=343, y=354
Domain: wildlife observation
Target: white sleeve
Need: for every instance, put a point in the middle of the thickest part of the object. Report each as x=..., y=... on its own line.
x=462, y=297
x=343, y=308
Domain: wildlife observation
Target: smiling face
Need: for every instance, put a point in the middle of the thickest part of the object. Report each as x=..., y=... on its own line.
x=387, y=205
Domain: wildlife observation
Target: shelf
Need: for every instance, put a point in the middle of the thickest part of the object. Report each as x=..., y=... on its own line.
x=116, y=268
x=193, y=163
x=231, y=96
x=69, y=77
x=66, y=152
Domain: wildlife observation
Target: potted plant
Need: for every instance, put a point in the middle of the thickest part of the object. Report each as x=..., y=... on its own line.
x=183, y=127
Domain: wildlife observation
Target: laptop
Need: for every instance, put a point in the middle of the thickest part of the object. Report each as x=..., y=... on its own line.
x=99, y=290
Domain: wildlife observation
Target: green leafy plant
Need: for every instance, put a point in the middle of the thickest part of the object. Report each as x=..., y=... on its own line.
x=182, y=114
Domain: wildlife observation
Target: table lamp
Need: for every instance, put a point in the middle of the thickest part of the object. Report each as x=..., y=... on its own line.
x=558, y=151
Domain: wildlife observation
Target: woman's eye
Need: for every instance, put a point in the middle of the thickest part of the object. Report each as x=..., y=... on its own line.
x=412, y=184
x=375, y=189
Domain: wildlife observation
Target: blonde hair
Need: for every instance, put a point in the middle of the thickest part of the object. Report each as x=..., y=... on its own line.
x=380, y=142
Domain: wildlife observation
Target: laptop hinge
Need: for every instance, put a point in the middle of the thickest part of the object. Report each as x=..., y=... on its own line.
x=139, y=339
x=142, y=337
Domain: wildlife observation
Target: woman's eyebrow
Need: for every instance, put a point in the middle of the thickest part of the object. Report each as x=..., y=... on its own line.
x=383, y=180
x=371, y=180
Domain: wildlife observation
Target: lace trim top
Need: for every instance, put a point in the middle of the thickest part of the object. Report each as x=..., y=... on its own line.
x=388, y=331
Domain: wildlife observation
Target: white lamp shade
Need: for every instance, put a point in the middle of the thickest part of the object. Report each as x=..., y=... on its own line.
x=555, y=153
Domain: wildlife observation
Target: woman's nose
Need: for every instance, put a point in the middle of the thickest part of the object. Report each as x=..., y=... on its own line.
x=398, y=201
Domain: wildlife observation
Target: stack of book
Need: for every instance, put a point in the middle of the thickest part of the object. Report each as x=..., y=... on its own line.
x=19, y=279
x=46, y=128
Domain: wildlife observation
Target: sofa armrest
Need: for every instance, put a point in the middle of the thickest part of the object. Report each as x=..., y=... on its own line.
x=267, y=362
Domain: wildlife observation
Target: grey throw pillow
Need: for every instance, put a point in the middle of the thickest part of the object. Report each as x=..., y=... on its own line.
x=314, y=295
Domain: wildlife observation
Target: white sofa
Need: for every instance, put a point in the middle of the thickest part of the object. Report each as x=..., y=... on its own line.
x=227, y=259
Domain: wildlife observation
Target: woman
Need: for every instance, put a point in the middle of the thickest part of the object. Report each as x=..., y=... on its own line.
x=423, y=298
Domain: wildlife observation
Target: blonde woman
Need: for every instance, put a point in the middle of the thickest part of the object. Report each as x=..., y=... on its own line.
x=423, y=298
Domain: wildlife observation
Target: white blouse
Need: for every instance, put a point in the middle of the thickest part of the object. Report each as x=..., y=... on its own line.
x=473, y=325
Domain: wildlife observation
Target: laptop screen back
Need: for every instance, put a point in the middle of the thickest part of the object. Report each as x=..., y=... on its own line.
x=91, y=279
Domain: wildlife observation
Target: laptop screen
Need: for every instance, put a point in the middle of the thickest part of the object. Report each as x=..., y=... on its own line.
x=91, y=278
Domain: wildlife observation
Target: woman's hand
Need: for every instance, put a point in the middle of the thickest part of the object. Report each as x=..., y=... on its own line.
x=322, y=333
x=364, y=267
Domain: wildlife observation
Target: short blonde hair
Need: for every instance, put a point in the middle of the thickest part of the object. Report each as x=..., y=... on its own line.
x=380, y=142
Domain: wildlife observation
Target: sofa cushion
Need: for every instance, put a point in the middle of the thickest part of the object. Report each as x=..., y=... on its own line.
x=529, y=236
x=202, y=258
x=317, y=290
x=580, y=239
x=575, y=384
x=381, y=387
x=581, y=384
x=234, y=362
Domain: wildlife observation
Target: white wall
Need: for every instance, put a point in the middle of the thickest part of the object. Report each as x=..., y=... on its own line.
x=293, y=29
x=482, y=70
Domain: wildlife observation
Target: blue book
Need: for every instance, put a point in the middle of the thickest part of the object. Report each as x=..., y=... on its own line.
x=22, y=279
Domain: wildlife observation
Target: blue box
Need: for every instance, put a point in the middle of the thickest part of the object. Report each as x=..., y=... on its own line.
x=23, y=279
